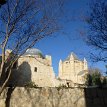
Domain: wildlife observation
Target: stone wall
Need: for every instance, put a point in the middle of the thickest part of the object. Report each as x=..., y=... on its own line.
x=42, y=76
x=54, y=97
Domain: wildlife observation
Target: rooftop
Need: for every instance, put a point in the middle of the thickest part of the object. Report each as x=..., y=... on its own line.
x=73, y=55
x=33, y=52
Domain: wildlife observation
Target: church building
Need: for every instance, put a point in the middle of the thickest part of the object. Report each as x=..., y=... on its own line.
x=35, y=67
x=73, y=69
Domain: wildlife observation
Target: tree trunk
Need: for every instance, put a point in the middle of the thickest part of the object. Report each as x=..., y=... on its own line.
x=6, y=81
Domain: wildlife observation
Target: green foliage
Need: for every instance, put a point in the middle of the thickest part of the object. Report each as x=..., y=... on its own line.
x=94, y=78
x=88, y=80
x=31, y=85
x=104, y=81
x=61, y=87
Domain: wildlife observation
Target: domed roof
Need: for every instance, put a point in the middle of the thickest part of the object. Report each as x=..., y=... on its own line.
x=33, y=51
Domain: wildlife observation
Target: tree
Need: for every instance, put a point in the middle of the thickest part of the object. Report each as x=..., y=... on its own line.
x=23, y=23
x=104, y=81
x=88, y=80
x=97, y=36
x=94, y=77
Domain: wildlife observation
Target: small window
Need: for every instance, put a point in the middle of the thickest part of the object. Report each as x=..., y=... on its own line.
x=35, y=69
x=76, y=61
x=67, y=62
x=68, y=84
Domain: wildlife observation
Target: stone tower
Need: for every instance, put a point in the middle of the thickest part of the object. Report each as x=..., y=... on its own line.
x=73, y=69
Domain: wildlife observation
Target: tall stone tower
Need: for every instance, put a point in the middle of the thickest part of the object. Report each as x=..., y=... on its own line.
x=73, y=69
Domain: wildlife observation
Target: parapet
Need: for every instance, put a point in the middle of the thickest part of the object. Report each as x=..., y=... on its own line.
x=48, y=57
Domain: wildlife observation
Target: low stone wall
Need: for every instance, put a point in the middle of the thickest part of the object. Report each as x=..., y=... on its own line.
x=54, y=97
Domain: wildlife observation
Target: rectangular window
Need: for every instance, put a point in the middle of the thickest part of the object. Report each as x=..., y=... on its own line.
x=67, y=62
x=35, y=69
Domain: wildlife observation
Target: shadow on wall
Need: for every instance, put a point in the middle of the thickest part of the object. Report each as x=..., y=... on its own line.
x=95, y=97
x=23, y=74
x=20, y=76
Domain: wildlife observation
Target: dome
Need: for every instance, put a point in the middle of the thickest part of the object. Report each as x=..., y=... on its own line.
x=33, y=51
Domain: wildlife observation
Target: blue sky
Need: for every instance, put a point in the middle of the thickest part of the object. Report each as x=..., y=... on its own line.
x=68, y=40
x=62, y=44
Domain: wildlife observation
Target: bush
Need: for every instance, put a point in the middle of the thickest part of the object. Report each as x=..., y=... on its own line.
x=61, y=86
x=94, y=78
x=104, y=81
x=88, y=80
x=31, y=85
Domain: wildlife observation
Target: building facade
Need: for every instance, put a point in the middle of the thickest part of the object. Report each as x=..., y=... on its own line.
x=34, y=67
x=73, y=69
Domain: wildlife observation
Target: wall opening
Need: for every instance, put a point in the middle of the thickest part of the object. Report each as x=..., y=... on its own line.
x=35, y=69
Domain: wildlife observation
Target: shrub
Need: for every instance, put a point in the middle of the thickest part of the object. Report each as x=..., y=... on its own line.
x=104, y=81
x=88, y=80
x=31, y=85
x=61, y=86
x=96, y=79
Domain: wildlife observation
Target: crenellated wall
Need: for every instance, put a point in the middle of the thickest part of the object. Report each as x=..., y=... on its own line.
x=54, y=97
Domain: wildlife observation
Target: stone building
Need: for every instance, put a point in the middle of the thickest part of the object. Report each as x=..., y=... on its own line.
x=34, y=67
x=72, y=69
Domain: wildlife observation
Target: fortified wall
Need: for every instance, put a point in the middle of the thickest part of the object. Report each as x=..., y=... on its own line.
x=54, y=97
